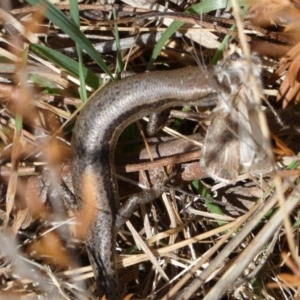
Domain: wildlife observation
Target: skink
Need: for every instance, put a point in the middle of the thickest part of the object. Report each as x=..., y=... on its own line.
x=95, y=135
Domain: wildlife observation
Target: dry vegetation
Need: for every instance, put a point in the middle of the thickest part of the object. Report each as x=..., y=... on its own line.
x=237, y=247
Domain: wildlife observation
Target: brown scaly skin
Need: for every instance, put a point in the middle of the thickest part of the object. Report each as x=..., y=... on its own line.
x=95, y=135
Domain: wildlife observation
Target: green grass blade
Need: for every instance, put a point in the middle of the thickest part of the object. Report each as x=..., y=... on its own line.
x=120, y=66
x=223, y=44
x=75, y=16
x=199, y=8
x=67, y=26
x=67, y=64
x=212, y=207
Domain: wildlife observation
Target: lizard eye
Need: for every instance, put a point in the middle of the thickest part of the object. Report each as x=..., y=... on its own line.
x=234, y=56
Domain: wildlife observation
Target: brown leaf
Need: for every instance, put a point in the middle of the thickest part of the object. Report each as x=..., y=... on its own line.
x=282, y=149
x=50, y=248
x=269, y=12
x=291, y=94
x=293, y=72
x=289, y=87
x=290, y=279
